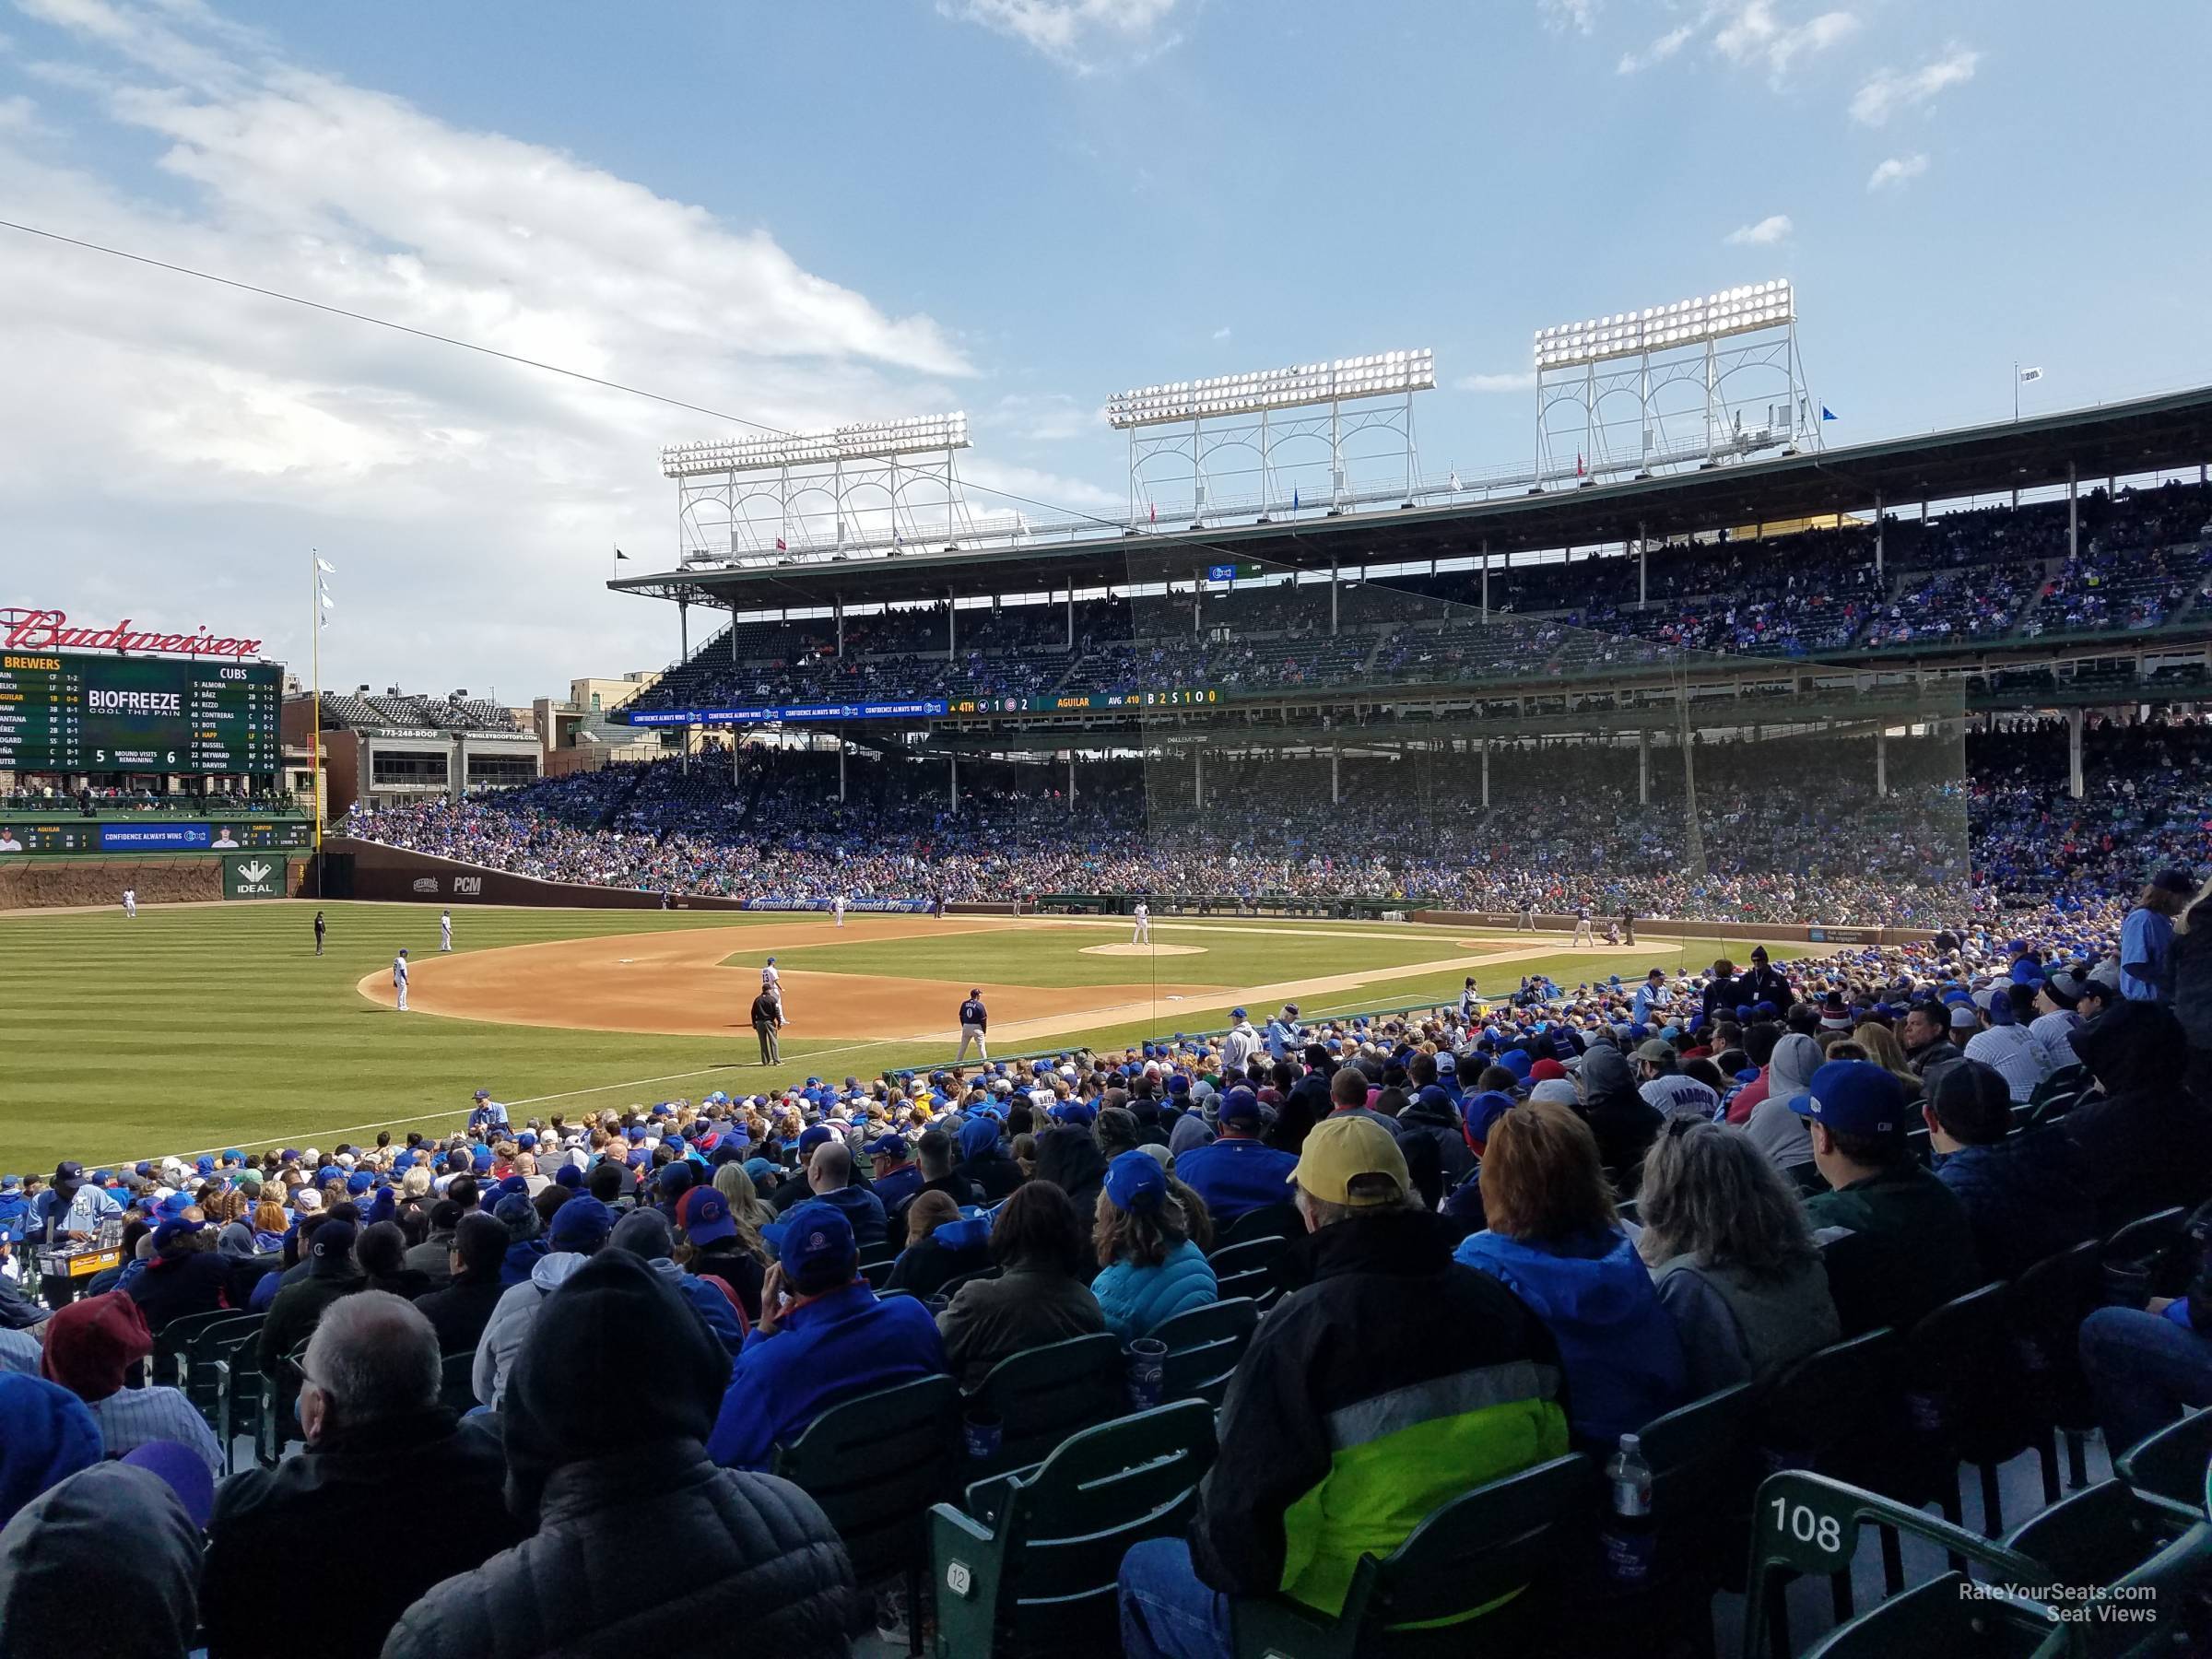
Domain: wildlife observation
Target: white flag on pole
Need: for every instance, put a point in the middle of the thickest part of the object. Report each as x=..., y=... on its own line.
x=325, y=566
x=2030, y=374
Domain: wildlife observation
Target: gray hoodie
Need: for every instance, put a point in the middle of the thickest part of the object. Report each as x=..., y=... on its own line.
x=1774, y=1129
x=508, y=1326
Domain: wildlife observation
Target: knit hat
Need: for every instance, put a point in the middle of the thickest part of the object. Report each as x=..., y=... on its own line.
x=93, y=1344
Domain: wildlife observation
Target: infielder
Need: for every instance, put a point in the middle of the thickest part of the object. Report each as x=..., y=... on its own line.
x=1528, y=916
x=399, y=979
x=1143, y=935
x=837, y=908
x=771, y=986
x=1583, y=933
x=130, y=904
x=974, y=1021
x=445, y=929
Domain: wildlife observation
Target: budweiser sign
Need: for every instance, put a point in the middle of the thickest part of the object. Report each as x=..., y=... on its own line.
x=50, y=630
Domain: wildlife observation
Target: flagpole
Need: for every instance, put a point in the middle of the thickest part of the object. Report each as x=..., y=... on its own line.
x=2015, y=391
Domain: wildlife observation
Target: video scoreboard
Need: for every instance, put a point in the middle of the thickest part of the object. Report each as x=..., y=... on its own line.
x=69, y=713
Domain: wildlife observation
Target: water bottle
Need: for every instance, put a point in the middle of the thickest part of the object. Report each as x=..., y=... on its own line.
x=1629, y=1537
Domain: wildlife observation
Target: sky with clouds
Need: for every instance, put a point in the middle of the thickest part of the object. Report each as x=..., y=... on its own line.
x=807, y=215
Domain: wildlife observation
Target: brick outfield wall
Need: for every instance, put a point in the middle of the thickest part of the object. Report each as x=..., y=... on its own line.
x=45, y=882
x=394, y=875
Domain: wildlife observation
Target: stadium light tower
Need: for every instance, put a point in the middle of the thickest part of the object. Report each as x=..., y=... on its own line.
x=1268, y=412
x=1678, y=363
x=807, y=496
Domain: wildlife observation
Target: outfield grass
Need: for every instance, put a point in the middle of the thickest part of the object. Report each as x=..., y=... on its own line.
x=200, y=1027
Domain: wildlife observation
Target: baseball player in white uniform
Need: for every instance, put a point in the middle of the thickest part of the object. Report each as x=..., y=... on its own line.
x=1143, y=935
x=837, y=908
x=130, y=903
x=399, y=979
x=445, y=929
x=772, y=983
x=1583, y=933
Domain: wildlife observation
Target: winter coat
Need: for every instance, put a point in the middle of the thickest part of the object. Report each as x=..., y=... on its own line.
x=1736, y=1328
x=2189, y=976
x=828, y=1349
x=1898, y=1245
x=1431, y=1114
x=1025, y=1307
x=106, y=1563
x=298, y=1308
x=862, y=1208
x=984, y=1161
x=1623, y=1358
x=2023, y=1198
x=602, y=1425
x=460, y=1311
x=1623, y=1121
x=176, y=1286
x=297, y=1529
x=1387, y=1381
x=1134, y=1298
x=945, y=1252
x=2143, y=1144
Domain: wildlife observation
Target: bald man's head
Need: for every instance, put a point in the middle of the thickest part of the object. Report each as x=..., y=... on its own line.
x=831, y=1168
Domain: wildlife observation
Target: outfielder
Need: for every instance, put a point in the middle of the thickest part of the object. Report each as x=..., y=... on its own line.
x=130, y=904
x=445, y=929
x=399, y=979
x=1143, y=935
x=974, y=1020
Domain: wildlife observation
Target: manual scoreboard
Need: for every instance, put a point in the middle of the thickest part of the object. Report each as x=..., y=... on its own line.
x=69, y=713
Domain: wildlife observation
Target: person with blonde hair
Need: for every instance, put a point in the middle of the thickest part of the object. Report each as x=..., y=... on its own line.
x=1731, y=1254
x=1556, y=1241
x=1880, y=1046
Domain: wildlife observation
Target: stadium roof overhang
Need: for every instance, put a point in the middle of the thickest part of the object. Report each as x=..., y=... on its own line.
x=2118, y=440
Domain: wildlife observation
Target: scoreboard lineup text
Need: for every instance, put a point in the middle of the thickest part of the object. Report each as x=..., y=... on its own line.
x=72, y=712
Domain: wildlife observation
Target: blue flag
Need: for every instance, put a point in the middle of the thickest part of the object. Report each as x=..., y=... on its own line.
x=1827, y=413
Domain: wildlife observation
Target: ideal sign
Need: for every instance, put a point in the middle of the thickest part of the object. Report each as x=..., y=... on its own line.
x=50, y=630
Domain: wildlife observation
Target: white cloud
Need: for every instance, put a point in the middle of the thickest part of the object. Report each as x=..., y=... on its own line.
x=1221, y=333
x=1519, y=381
x=1754, y=34
x=1659, y=51
x=1578, y=14
x=1891, y=90
x=1893, y=174
x=472, y=503
x=1073, y=33
x=1764, y=234
x=1749, y=34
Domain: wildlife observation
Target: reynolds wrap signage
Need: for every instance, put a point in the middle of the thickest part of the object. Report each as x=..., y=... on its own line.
x=921, y=708
x=779, y=902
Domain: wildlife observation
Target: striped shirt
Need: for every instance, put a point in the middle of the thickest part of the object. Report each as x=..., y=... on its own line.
x=131, y=1418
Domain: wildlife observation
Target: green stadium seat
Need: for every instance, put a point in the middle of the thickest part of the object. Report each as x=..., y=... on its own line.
x=1958, y=1408
x=1043, y=1394
x=1944, y=1619
x=2136, y=1258
x=1248, y=1270
x=1269, y=1221
x=1805, y=1524
x=2049, y=1302
x=1029, y=1565
x=875, y=1464
x=2098, y=1535
x=1203, y=1345
x=456, y=1386
x=2167, y=1468
x=1497, y=1548
x=208, y=1342
x=952, y=1286
x=172, y=1341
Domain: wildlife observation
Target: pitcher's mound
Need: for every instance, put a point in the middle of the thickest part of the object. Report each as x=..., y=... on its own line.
x=1139, y=950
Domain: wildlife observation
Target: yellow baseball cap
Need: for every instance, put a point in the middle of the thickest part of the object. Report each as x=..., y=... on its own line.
x=1341, y=1148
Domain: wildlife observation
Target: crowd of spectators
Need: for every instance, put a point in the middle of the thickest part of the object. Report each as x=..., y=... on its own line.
x=655, y=1297
x=1980, y=575
x=1789, y=829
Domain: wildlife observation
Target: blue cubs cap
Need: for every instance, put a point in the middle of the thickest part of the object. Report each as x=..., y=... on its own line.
x=674, y=1177
x=636, y=1132
x=704, y=1215
x=361, y=1181
x=1236, y=1014
x=1179, y=1084
x=481, y=1159
x=569, y=1176
x=526, y=1142
x=759, y=1168
x=811, y=1138
x=1857, y=1097
x=1135, y=1182
x=1240, y=1106
x=174, y=1228
x=1073, y=1111
x=888, y=1146
x=581, y=1224
x=817, y=1241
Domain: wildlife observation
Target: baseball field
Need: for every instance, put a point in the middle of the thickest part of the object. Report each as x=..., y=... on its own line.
x=199, y=1027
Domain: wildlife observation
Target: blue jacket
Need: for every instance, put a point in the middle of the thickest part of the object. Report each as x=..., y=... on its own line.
x=1136, y=1298
x=1623, y=1354
x=2022, y=1197
x=520, y=1257
x=1236, y=1177
x=834, y=1348
x=895, y=1189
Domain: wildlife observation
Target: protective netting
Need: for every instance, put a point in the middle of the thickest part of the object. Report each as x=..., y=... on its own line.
x=1412, y=742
